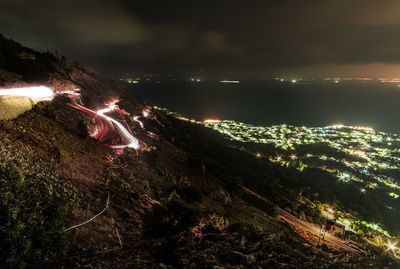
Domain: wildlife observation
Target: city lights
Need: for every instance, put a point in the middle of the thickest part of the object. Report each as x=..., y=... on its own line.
x=230, y=81
x=360, y=157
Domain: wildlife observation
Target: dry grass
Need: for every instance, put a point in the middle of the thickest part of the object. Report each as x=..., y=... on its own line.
x=11, y=107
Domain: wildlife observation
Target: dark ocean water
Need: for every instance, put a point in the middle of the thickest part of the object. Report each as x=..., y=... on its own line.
x=371, y=104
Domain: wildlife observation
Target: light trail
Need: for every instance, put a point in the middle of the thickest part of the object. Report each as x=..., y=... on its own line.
x=136, y=118
x=40, y=93
x=129, y=139
x=105, y=122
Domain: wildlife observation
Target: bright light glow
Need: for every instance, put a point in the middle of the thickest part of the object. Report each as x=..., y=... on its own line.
x=212, y=121
x=146, y=113
x=392, y=247
x=40, y=93
x=136, y=118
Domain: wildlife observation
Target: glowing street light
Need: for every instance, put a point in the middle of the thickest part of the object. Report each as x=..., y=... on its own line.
x=392, y=247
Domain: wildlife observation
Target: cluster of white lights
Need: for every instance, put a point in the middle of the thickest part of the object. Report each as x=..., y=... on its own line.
x=357, y=155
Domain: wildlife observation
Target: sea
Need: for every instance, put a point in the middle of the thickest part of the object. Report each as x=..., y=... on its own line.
x=270, y=102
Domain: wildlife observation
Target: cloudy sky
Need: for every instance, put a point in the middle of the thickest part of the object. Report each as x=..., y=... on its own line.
x=254, y=38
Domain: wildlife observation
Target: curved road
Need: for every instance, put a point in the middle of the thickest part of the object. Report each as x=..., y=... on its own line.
x=310, y=228
x=332, y=240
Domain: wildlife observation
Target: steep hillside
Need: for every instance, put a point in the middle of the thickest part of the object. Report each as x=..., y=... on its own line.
x=69, y=200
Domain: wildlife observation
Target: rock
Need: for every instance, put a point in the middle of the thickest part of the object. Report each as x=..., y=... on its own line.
x=213, y=237
x=335, y=266
x=254, y=248
x=251, y=259
x=270, y=263
x=235, y=257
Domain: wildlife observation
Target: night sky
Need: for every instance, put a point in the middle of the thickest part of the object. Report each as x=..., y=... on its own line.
x=221, y=37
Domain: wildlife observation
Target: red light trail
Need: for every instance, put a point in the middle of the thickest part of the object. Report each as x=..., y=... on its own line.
x=106, y=124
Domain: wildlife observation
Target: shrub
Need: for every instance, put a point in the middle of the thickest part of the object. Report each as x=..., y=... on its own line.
x=165, y=252
x=190, y=193
x=241, y=228
x=169, y=219
x=31, y=219
x=262, y=204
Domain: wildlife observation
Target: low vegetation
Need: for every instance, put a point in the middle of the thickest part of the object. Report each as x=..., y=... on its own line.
x=31, y=219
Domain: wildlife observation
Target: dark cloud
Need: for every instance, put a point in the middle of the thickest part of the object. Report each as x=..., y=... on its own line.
x=243, y=37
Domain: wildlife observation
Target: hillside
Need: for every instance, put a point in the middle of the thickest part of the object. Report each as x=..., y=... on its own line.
x=355, y=168
x=182, y=198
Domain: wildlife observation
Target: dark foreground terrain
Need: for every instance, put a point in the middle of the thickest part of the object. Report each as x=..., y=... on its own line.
x=186, y=200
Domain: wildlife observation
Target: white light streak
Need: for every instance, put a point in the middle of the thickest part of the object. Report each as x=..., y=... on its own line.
x=130, y=140
x=40, y=93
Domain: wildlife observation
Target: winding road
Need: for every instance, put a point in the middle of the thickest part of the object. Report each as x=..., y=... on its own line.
x=304, y=227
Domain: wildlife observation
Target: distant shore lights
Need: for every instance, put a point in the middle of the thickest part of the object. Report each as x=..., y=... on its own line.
x=230, y=81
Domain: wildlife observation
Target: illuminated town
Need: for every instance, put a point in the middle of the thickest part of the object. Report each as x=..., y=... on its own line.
x=367, y=159
x=195, y=134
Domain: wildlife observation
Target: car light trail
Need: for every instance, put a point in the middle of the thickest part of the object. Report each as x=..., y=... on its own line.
x=130, y=140
x=136, y=118
x=43, y=93
x=40, y=93
x=105, y=122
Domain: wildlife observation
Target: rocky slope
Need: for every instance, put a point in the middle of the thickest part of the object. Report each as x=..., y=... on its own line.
x=175, y=203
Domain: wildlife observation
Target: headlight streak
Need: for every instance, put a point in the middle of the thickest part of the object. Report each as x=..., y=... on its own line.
x=105, y=123
x=39, y=93
x=129, y=139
